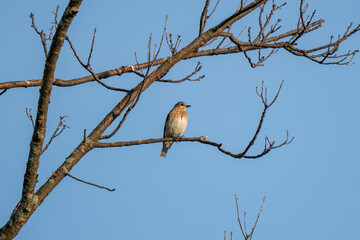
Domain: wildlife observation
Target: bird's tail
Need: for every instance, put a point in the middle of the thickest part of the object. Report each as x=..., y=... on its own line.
x=166, y=146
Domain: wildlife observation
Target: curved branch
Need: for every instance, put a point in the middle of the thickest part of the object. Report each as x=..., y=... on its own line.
x=267, y=148
x=201, y=139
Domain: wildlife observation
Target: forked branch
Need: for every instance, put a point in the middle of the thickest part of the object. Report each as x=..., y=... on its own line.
x=265, y=39
x=173, y=46
x=59, y=129
x=43, y=36
x=188, y=77
x=204, y=15
x=243, y=226
x=30, y=117
x=88, y=67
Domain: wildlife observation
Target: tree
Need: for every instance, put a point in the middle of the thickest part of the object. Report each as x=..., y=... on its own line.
x=210, y=42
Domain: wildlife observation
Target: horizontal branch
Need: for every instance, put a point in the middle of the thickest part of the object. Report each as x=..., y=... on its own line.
x=201, y=139
x=148, y=141
x=121, y=70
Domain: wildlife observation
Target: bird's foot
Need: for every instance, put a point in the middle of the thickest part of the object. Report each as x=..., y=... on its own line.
x=179, y=138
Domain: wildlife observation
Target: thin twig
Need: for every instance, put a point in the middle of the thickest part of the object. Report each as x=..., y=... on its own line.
x=92, y=184
x=243, y=229
x=173, y=46
x=128, y=110
x=88, y=66
x=3, y=91
x=151, y=60
x=203, y=17
x=188, y=77
x=238, y=217
x=91, y=48
x=30, y=117
x=40, y=33
x=257, y=218
x=59, y=129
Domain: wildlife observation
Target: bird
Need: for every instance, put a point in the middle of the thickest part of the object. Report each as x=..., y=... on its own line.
x=175, y=125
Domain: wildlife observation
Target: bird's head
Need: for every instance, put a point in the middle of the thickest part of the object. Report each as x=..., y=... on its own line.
x=181, y=105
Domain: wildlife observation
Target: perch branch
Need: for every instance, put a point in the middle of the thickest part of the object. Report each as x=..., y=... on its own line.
x=268, y=144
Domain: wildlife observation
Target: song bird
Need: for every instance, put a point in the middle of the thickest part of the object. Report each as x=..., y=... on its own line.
x=175, y=124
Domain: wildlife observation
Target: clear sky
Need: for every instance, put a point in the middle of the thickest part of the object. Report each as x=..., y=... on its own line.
x=311, y=185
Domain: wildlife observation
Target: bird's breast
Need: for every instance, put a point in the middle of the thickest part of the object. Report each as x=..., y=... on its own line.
x=175, y=126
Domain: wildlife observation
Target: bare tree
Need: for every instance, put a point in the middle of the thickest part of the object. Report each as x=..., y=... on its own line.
x=219, y=39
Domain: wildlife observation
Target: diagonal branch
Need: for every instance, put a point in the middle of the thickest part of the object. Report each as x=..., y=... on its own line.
x=3, y=91
x=204, y=17
x=41, y=34
x=29, y=202
x=132, y=103
x=128, y=110
x=92, y=184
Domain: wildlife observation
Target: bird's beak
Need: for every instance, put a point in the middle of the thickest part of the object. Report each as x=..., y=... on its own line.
x=188, y=105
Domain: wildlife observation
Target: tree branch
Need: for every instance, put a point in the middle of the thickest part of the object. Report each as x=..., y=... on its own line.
x=41, y=34
x=88, y=66
x=173, y=46
x=30, y=117
x=59, y=129
x=244, y=228
x=269, y=42
x=267, y=148
x=92, y=184
x=188, y=77
x=29, y=202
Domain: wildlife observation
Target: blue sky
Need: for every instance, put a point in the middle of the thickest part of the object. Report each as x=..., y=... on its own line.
x=311, y=185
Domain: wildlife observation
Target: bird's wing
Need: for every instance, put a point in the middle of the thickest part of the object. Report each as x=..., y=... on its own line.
x=167, y=120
